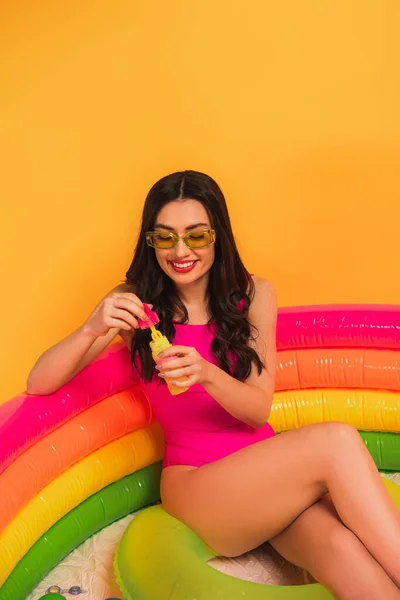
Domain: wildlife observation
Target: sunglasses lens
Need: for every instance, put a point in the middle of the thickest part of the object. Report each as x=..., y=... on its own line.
x=161, y=240
x=165, y=241
x=199, y=239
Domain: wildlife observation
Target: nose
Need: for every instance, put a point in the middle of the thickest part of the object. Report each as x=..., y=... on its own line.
x=181, y=250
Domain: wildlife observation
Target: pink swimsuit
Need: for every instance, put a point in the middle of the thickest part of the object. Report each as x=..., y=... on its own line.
x=198, y=430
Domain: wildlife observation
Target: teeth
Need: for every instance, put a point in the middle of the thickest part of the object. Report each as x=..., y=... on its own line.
x=183, y=265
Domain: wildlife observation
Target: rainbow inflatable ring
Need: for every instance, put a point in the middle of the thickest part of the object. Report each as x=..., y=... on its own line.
x=73, y=462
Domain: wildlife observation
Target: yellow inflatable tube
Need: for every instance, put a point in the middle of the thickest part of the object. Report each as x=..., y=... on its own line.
x=108, y=464
x=367, y=410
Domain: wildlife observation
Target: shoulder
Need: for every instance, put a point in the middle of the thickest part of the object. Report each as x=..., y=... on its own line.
x=264, y=287
x=264, y=291
x=263, y=307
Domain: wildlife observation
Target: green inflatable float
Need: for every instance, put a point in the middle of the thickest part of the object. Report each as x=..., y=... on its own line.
x=159, y=558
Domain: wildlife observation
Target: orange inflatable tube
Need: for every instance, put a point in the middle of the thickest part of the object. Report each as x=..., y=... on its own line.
x=97, y=426
x=338, y=368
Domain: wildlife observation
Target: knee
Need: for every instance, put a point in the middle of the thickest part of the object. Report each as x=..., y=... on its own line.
x=342, y=432
x=338, y=434
x=340, y=441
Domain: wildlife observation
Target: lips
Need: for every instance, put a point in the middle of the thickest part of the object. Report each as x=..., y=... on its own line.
x=183, y=266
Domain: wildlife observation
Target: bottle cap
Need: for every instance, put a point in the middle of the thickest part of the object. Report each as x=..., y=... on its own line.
x=152, y=316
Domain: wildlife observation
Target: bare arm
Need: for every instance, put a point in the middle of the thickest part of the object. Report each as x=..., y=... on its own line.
x=251, y=401
x=114, y=315
x=248, y=401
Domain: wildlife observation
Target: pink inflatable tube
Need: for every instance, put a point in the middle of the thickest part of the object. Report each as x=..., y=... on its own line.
x=26, y=419
x=341, y=325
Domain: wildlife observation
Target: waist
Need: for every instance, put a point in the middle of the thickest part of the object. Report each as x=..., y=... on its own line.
x=199, y=447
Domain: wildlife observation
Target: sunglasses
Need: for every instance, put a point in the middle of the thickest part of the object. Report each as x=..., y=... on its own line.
x=165, y=240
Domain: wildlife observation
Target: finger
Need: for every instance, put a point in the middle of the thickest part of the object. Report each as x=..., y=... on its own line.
x=120, y=324
x=134, y=308
x=176, y=373
x=182, y=384
x=129, y=296
x=173, y=350
x=124, y=315
x=166, y=364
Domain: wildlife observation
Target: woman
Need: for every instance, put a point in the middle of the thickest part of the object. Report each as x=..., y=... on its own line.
x=313, y=493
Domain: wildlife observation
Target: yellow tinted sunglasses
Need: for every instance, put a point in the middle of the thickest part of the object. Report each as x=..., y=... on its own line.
x=166, y=240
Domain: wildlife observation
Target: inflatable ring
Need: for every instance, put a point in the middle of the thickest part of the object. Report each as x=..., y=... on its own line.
x=339, y=326
x=121, y=457
x=371, y=368
x=368, y=410
x=159, y=557
x=55, y=453
x=133, y=492
x=27, y=418
x=384, y=449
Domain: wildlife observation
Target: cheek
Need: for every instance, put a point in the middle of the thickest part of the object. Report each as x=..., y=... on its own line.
x=161, y=257
x=207, y=257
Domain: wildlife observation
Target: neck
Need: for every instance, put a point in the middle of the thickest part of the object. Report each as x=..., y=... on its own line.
x=194, y=293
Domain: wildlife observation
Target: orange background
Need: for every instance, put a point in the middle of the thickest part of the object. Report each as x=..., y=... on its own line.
x=292, y=106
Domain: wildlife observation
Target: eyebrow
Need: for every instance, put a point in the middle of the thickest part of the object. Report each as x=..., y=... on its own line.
x=189, y=228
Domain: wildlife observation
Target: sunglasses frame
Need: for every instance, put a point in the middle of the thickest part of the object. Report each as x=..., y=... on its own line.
x=175, y=237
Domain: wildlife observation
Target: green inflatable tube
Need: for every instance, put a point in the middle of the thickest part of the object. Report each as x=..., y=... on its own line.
x=159, y=557
x=115, y=501
x=384, y=449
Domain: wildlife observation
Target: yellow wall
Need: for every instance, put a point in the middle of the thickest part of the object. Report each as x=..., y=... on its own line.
x=292, y=106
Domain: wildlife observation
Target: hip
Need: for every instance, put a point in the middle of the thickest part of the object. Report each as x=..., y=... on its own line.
x=196, y=448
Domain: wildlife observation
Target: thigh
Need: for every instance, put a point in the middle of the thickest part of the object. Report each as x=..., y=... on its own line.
x=319, y=542
x=244, y=499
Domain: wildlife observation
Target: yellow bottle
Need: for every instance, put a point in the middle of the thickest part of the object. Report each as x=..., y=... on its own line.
x=158, y=344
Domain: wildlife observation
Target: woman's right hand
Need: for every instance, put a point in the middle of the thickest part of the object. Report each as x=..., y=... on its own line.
x=117, y=310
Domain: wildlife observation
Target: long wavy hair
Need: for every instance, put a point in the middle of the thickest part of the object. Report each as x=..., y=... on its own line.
x=230, y=288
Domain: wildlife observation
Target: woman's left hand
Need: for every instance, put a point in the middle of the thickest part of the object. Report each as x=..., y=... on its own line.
x=183, y=361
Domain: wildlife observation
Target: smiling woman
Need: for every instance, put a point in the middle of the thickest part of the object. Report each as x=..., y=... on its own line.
x=295, y=490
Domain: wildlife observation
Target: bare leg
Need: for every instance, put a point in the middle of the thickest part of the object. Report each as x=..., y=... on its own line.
x=319, y=542
x=237, y=503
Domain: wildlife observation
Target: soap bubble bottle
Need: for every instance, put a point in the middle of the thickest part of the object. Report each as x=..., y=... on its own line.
x=159, y=343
